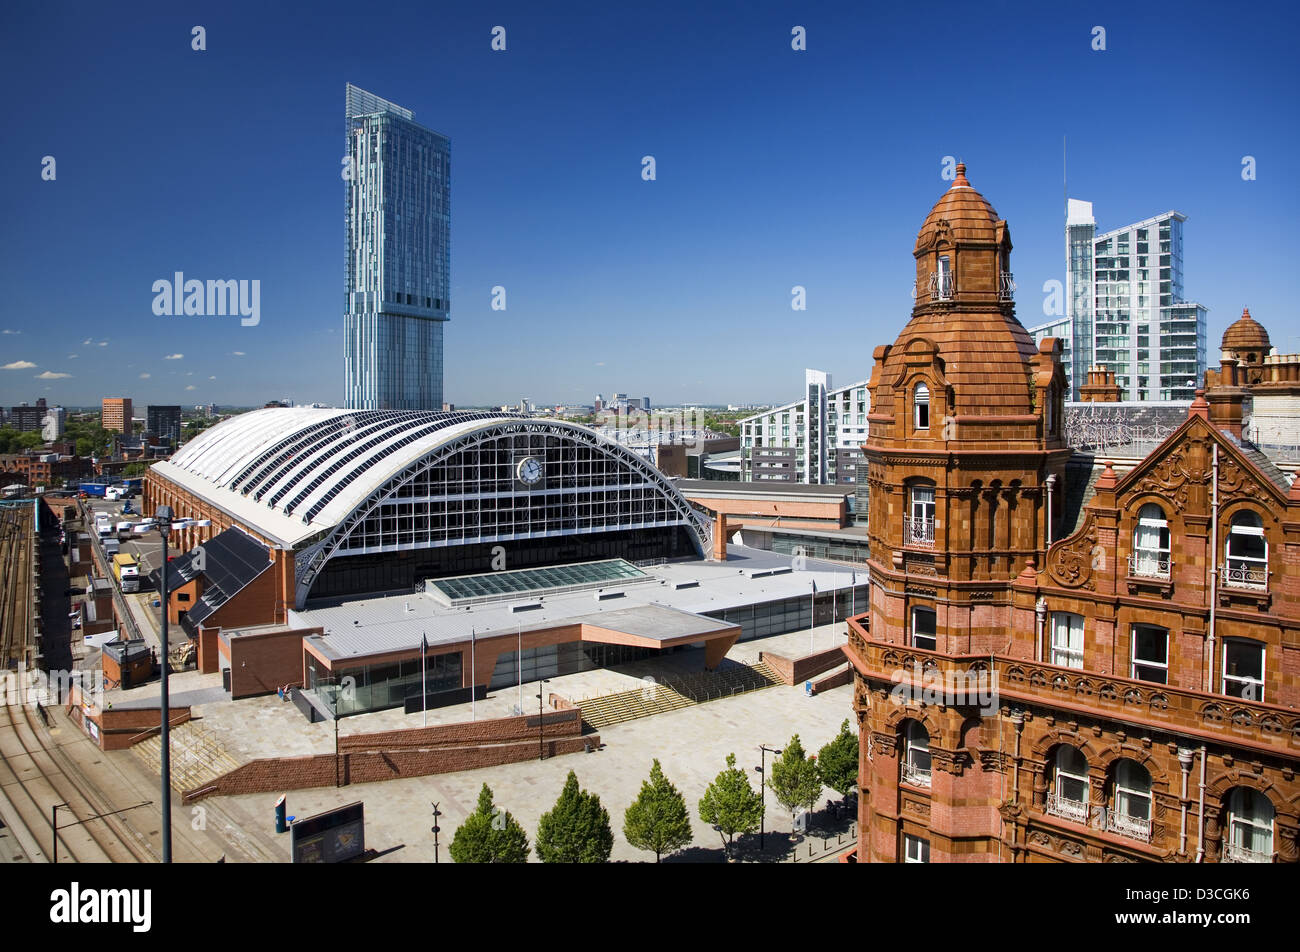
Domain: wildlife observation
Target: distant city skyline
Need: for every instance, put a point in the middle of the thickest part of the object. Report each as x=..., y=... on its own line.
x=774, y=169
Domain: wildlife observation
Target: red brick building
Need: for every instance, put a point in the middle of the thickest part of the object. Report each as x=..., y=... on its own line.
x=1125, y=693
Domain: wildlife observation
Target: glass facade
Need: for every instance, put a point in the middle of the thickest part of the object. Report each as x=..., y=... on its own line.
x=398, y=257
x=375, y=687
x=792, y=614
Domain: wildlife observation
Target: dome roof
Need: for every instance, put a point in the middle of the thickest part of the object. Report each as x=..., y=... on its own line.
x=1246, y=334
x=987, y=358
x=968, y=214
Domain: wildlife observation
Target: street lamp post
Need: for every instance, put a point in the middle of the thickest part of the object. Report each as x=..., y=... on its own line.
x=762, y=782
x=436, y=830
x=541, y=724
x=163, y=517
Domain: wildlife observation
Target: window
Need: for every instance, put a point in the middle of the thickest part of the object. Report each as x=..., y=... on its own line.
x=919, y=528
x=1131, y=815
x=1150, y=654
x=1069, y=794
x=924, y=632
x=1249, y=834
x=943, y=279
x=1067, y=639
x=915, y=849
x=1150, y=557
x=1247, y=565
x=1243, y=669
x=1049, y=410
x=916, y=755
x=921, y=406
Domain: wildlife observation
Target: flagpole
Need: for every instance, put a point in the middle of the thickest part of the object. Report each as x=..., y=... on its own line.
x=473, y=676
x=424, y=677
x=519, y=664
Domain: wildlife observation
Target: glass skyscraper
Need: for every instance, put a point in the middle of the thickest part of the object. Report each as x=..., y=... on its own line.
x=397, y=180
x=1126, y=310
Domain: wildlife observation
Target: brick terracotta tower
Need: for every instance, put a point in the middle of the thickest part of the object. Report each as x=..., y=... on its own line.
x=965, y=449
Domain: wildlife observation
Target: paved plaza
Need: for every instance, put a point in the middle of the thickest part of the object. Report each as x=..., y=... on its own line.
x=691, y=743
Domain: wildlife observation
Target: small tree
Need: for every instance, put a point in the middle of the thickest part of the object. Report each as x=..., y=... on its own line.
x=837, y=762
x=657, y=820
x=731, y=804
x=489, y=835
x=576, y=830
x=795, y=780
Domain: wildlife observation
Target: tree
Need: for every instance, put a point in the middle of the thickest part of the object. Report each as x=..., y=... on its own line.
x=576, y=830
x=795, y=780
x=489, y=835
x=731, y=804
x=657, y=820
x=837, y=762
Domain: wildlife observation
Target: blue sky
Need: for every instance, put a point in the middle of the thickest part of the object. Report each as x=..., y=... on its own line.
x=775, y=168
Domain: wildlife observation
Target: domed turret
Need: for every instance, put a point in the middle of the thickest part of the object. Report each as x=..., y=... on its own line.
x=1247, y=338
x=963, y=343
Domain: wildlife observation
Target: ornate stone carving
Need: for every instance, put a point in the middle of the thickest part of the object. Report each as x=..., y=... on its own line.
x=1070, y=561
x=917, y=808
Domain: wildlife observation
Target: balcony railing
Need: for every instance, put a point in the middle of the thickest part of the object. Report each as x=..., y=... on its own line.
x=1240, y=854
x=1242, y=575
x=1067, y=809
x=1135, y=828
x=918, y=531
x=942, y=285
x=1149, y=565
x=1263, y=725
x=1006, y=286
x=916, y=776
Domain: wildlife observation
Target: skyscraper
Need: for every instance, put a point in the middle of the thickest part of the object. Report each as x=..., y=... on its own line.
x=1126, y=308
x=397, y=177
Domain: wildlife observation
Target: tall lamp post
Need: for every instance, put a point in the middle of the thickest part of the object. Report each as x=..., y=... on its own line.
x=541, y=725
x=762, y=782
x=163, y=522
x=436, y=830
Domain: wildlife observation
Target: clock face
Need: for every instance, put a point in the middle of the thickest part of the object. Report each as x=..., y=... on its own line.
x=529, y=470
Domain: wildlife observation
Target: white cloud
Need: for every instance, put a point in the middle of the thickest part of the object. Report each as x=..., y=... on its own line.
x=191, y=387
x=51, y=375
x=145, y=376
x=173, y=357
x=212, y=378
x=87, y=342
x=102, y=343
x=19, y=365
x=72, y=356
x=189, y=373
x=237, y=353
x=8, y=331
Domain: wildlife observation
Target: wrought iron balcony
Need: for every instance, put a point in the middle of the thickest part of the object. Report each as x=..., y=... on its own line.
x=1006, y=286
x=1074, y=810
x=942, y=285
x=916, y=776
x=1240, y=854
x=918, y=531
x=1244, y=575
x=1149, y=565
x=1135, y=828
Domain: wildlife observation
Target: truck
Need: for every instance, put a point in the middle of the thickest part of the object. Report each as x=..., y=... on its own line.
x=127, y=570
x=103, y=525
x=93, y=489
x=124, y=530
x=112, y=547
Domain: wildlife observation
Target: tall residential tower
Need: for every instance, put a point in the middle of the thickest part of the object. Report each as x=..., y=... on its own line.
x=397, y=175
x=1126, y=308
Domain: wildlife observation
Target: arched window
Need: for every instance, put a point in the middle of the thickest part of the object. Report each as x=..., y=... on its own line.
x=919, y=527
x=1131, y=813
x=1069, y=795
x=1248, y=836
x=943, y=283
x=1247, y=551
x=1150, y=558
x=921, y=407
x=916, y=755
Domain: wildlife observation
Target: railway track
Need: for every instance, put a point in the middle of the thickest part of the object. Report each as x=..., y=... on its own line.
x=34, y=779
x=35, y=776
